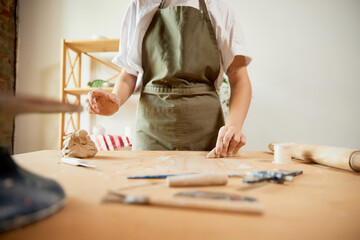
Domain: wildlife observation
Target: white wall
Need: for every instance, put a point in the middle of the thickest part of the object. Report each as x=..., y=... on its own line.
x=42, y=25
x=305, y=73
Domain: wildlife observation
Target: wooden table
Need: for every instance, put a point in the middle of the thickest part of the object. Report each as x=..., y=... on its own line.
x=323, y=203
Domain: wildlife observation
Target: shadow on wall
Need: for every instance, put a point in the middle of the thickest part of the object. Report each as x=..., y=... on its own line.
x=37, y=73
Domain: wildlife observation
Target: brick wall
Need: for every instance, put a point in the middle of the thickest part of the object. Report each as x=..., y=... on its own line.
x=8, y=37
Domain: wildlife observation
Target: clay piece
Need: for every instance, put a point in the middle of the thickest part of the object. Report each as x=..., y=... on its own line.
x=79, y=145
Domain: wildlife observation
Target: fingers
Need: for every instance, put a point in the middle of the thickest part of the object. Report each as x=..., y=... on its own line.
x=92, y=97
x=219, y=141
x=229, y=141
x=234, y=144
x=91, y=101
x=239, y=145
x=89, y=108
x=229, y=135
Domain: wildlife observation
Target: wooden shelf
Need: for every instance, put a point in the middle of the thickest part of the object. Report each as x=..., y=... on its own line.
x=72, y=52
x=101, y=45
x=83, y=91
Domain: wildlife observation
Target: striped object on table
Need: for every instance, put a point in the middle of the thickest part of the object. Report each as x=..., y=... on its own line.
x=110, y=142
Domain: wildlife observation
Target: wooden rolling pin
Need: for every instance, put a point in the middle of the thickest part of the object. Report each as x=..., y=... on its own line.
x=197, y=180
x=348, y=159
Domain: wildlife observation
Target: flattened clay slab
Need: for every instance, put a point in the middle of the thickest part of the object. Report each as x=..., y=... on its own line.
x=79, y=145
x=211, y=154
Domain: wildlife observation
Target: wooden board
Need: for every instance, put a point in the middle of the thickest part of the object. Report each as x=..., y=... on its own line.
x=83, y=91
x=320, y=204
x=100, y=45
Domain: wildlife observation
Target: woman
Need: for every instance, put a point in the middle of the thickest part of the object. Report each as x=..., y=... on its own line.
x=171, y=50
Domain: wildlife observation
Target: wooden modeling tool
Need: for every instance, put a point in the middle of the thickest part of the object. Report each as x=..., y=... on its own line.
x=192, y=179
x=193, y=200
x=347, y=159
x=197, y=180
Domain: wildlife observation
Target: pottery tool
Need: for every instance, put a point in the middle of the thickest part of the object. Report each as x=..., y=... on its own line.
x=193, y=200
x=139, y=186
x=347, y=159
x=220, y=179
x=170, y=175
x=276, y=177
x=76, y=162
x=197, y=180
x=192, y=179
x=155, y=176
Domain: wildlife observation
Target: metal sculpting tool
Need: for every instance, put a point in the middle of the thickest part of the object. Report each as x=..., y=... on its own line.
x=171, y=175
x=155, y=176
x=277, y=177
x=213, y=179
x=76, y=162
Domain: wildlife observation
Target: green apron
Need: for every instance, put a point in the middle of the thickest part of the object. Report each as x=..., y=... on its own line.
x=179, y=108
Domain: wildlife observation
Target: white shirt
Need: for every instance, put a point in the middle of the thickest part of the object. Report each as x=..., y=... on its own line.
x=138, y=17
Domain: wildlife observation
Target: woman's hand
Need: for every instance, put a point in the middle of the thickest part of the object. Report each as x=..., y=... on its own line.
x=229, y=141
x=102, y=103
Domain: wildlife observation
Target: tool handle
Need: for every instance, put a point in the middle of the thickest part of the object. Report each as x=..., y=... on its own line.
x=196, y=180
x=214, y=205
x=25, y=104
x=348, y=159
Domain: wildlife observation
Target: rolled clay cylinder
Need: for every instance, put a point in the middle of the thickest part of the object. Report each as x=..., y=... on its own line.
x=79, y=145
x=196, y=180
x=348, y=159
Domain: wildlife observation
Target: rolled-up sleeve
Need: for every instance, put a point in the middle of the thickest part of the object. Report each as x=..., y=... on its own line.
x=126, y=38
x=230, y=37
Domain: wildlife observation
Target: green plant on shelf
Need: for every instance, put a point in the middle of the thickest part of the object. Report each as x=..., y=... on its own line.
x=100, y=83
x=224, y=95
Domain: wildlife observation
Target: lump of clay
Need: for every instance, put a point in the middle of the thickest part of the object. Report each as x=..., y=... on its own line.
x=79, y=145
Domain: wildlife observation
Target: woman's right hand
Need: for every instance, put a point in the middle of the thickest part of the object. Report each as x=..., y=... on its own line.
x=102, y=103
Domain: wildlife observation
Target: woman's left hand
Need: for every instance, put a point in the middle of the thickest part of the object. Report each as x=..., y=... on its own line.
x=229, y=141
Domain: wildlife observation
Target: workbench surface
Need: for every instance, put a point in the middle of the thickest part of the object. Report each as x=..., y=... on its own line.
x=323, y=203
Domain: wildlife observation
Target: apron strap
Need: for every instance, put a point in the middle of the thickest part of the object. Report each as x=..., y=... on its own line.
x=202, y=6
x=204, y=9
x=162, y=4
